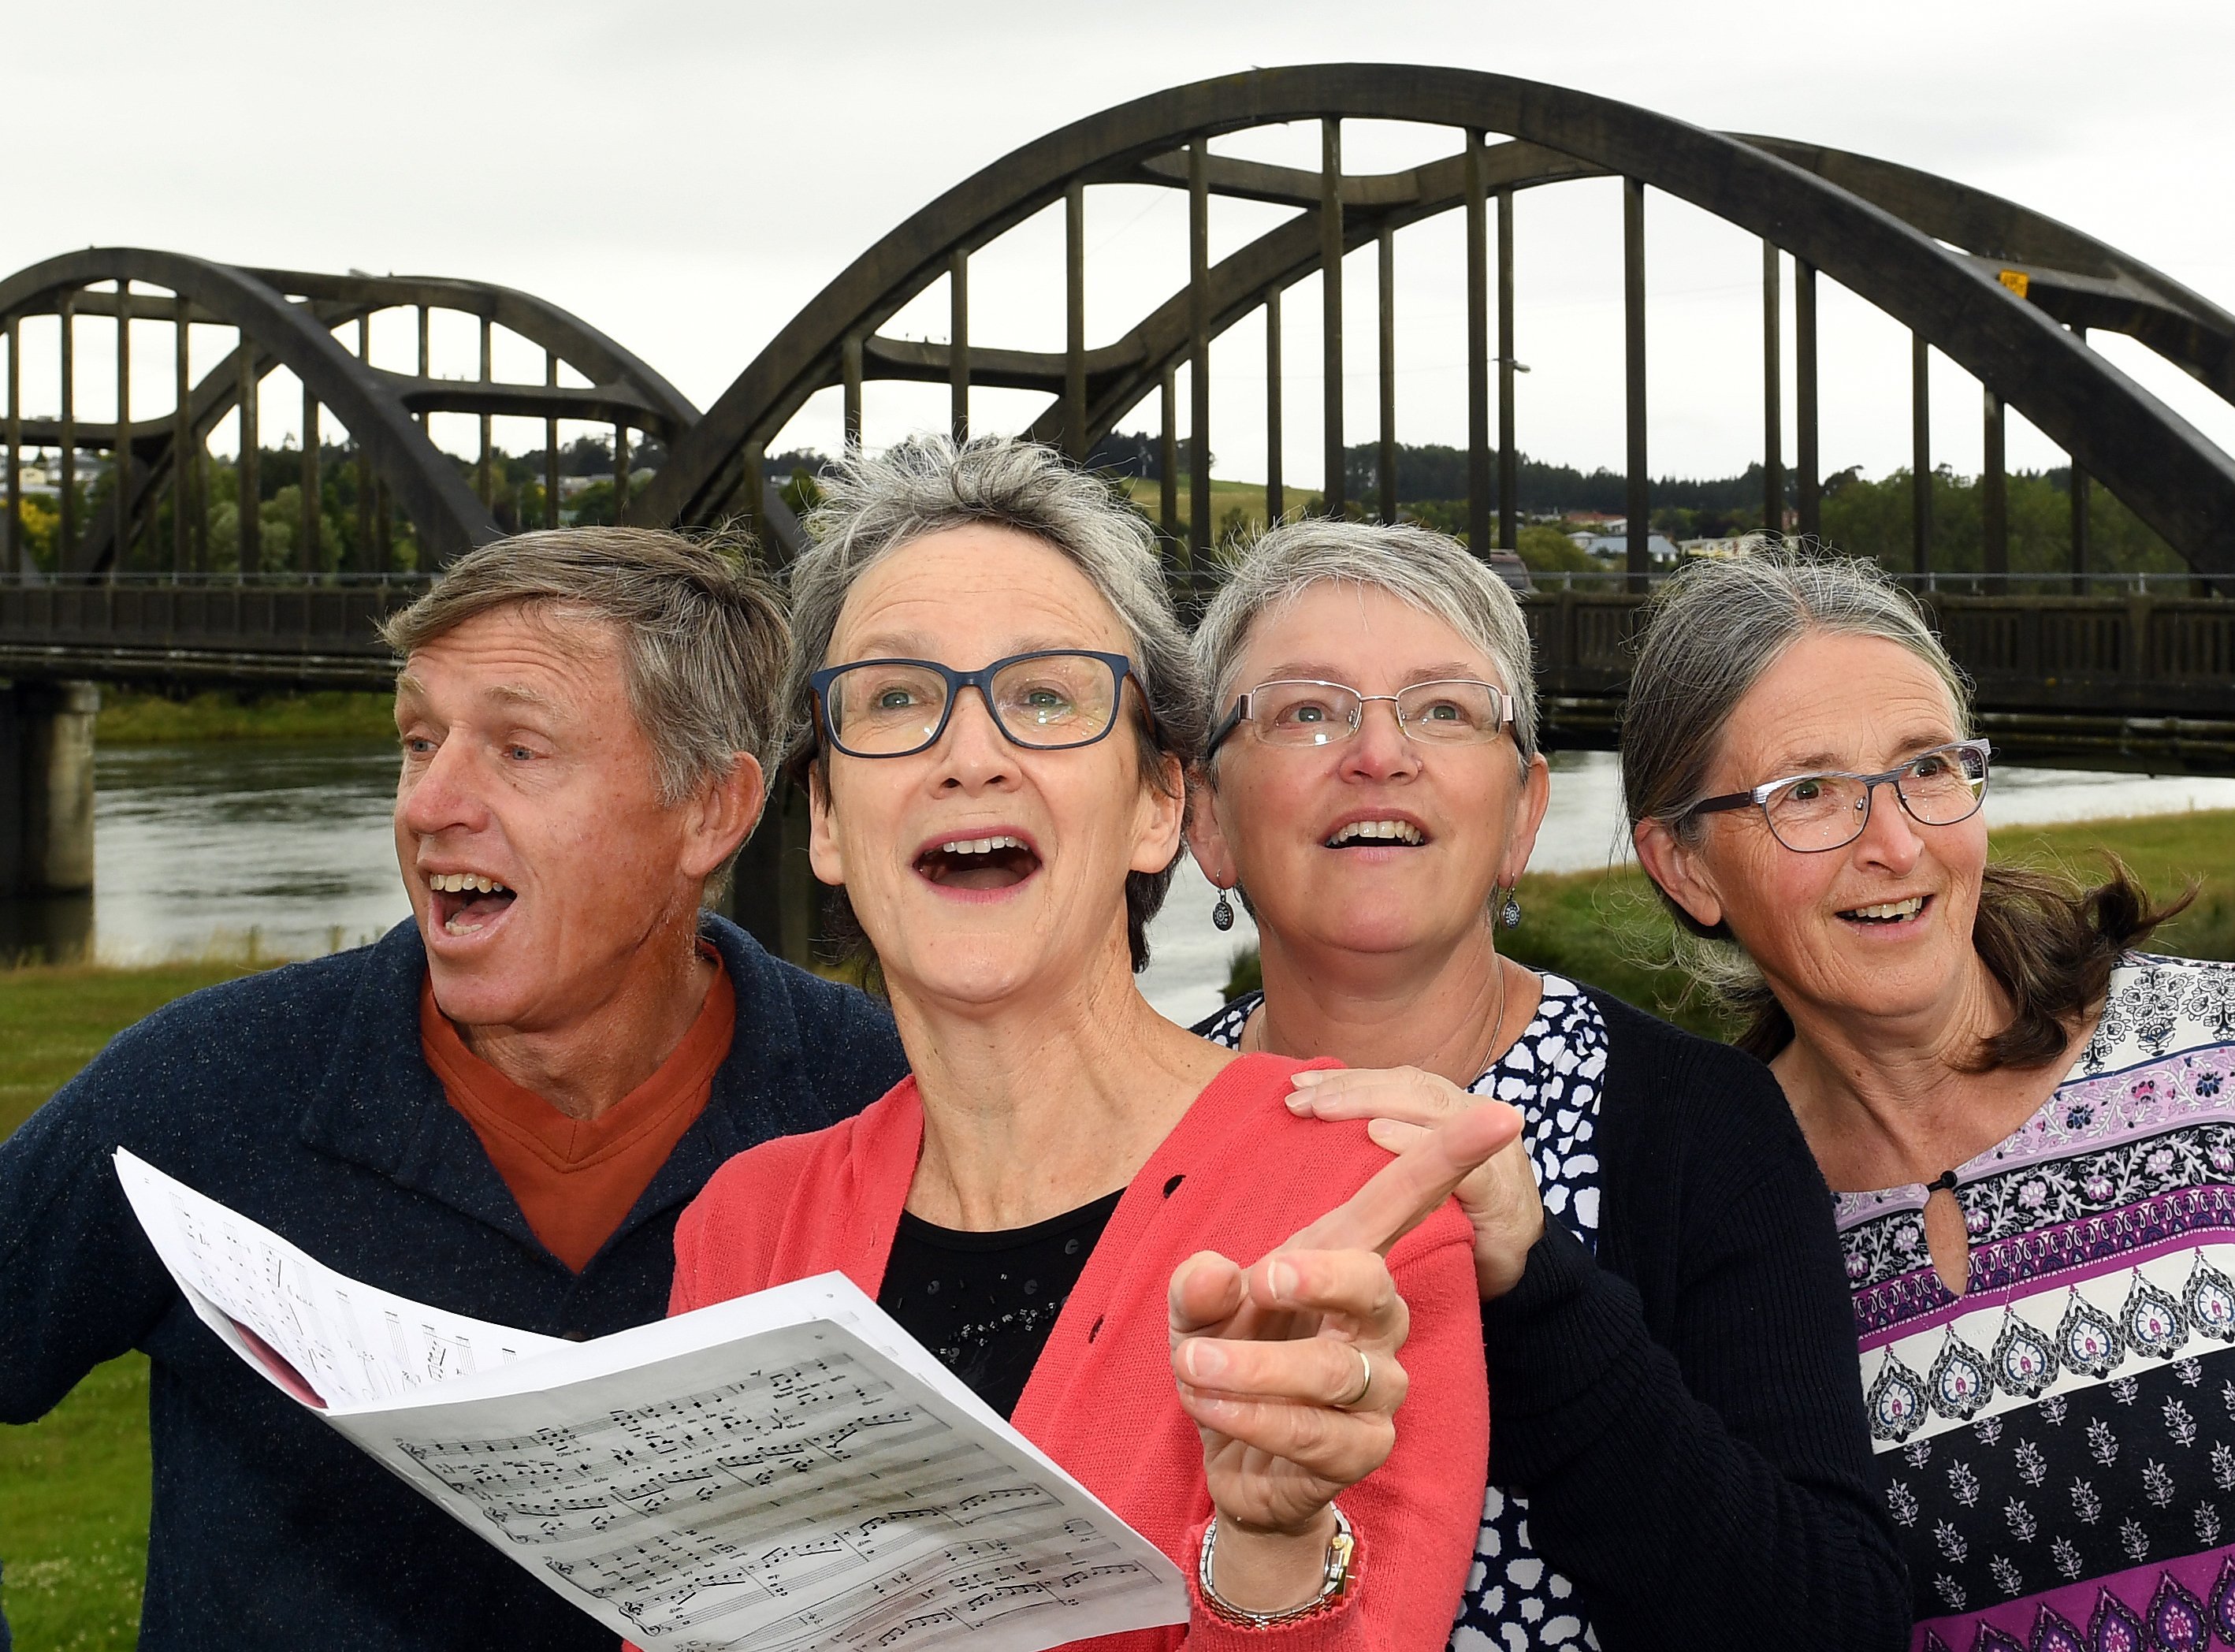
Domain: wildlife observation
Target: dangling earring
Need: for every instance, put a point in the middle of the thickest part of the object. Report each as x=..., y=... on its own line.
x=1222, y=915
x=1509, y=914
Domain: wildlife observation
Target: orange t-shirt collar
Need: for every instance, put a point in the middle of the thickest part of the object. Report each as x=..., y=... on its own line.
x=577, y=1179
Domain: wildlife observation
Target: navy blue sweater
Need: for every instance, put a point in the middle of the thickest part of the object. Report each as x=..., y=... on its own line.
x=300, y=1098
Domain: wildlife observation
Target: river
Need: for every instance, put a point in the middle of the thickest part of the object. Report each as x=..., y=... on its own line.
x=283, y=850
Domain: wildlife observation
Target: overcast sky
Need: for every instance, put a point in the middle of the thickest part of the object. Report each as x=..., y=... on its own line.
x=687, y=175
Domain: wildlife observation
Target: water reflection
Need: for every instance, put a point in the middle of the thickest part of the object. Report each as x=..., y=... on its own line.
x=276, y=847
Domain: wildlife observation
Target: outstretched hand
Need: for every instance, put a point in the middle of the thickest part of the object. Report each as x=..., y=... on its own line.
x=1434, y=1128
x=1289, y=1367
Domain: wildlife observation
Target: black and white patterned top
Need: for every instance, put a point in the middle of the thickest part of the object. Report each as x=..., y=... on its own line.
x=1553, y=1075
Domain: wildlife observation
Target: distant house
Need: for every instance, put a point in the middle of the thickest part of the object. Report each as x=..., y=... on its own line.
x=1614, y=547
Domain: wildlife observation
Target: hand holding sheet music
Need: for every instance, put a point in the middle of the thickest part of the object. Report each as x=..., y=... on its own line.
x=783, y=1470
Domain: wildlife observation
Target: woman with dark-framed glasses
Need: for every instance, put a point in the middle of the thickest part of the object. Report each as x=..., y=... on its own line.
x=1677, y=1454
x=2029, y=1126
x=1073, y=1203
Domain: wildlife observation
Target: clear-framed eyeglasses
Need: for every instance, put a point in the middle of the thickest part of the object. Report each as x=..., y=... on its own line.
x=1453, y=710
x=1050, y=700
x=1812, y=813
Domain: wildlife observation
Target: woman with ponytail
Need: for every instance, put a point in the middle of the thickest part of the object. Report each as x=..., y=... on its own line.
x=2028, y=1124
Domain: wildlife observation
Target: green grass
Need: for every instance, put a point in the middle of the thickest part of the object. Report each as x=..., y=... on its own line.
x=154, y=719
x=74, y=1522
x=73, y=1518
x=1235, y=506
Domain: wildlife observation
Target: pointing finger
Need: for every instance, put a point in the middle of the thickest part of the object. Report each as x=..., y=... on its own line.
x=1406, y=1191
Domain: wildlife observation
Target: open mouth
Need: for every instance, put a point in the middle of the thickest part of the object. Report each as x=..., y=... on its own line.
x=467, y=902
x=1890, y=912
x=978, y=864
x=1377, y=834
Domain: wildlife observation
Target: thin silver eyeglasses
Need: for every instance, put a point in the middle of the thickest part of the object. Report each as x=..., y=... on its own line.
x=1050, y=700
x=1815, y=812
x=1453, y=710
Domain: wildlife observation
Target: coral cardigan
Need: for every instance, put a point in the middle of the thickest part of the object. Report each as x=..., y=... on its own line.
x=1238, y=1174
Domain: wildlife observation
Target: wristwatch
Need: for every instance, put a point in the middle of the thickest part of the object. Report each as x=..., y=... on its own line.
x=1334, y=1583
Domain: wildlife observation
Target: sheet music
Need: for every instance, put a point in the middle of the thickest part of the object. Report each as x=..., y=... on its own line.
x=785, y=1471
x=347, y=1342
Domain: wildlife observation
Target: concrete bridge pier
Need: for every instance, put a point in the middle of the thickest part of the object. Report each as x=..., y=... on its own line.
x=46, y=787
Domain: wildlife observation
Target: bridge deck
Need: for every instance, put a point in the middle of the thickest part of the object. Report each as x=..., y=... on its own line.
x=2131, y=682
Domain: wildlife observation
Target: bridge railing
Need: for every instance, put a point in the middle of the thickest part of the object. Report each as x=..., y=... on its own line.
x=2056, y=664
x=281, y=628
x=1973, y=584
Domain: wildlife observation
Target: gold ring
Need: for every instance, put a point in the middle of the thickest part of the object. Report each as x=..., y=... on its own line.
x=1364, y=1378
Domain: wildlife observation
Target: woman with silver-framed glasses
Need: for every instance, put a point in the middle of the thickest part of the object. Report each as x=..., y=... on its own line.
x=2029, y=1126
x=1678, y=1453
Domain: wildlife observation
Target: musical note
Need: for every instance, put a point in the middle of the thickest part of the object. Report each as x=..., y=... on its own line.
x=786, y=1473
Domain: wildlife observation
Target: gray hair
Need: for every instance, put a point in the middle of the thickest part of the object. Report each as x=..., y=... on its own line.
x=1430, y=571
x=874, y=505
x=701, y=634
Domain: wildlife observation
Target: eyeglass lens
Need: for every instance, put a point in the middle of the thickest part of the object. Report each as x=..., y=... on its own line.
x=1305, y=713
x=891, y=708
x=1937, y=787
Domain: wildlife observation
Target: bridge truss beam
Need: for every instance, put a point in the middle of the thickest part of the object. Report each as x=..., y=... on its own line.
x=291, y=319
x=1876, y=228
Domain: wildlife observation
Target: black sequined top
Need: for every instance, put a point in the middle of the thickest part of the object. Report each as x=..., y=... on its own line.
x=984, y=1303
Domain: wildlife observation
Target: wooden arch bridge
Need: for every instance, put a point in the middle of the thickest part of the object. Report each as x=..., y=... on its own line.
x=2123, y=678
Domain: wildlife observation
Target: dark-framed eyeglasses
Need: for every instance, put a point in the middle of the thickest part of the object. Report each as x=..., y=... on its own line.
x=1450, y=711
x=1049, y=700
x=1815, y=812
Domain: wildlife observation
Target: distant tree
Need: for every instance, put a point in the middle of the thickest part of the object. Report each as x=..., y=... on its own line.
x=1127, y=454
x=1874, y=519
x=810, y=460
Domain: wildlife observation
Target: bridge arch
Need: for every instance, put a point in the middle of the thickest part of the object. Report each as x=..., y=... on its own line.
x=1876, y=228
x=291, y=319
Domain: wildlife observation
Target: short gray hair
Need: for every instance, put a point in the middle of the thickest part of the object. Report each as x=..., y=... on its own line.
x=1430, y=571
x=874, y=504
x=701, y=634
x=1711, y=633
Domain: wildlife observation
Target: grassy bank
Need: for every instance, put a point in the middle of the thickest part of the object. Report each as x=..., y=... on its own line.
x=73, y=1522
x=1611, y=929
x=128, y=719
x=1235, y=506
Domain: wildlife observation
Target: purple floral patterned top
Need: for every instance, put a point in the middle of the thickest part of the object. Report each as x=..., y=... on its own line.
x=2058, y=1446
